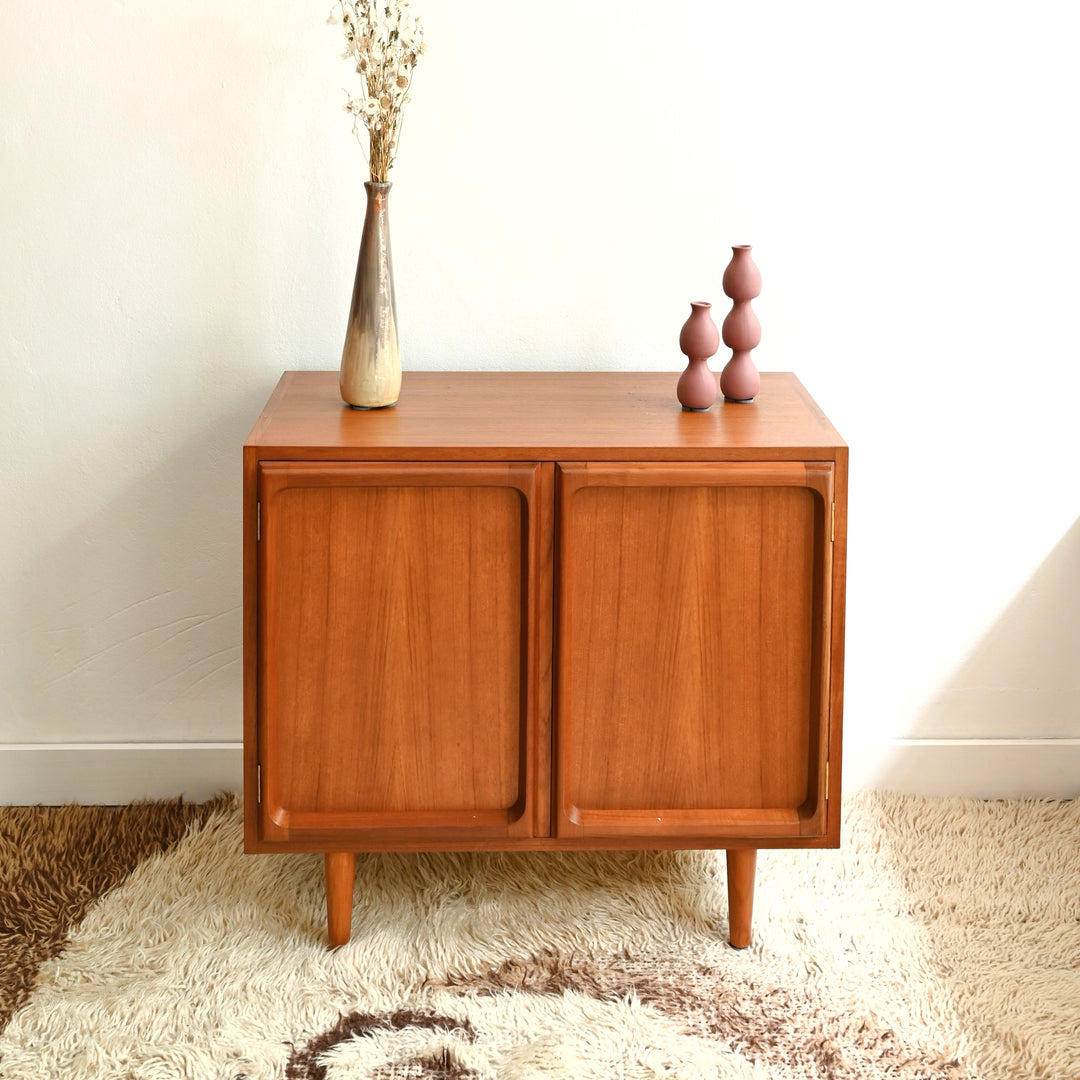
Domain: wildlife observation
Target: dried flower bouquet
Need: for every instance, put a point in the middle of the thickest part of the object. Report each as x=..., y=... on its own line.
x=385, y=39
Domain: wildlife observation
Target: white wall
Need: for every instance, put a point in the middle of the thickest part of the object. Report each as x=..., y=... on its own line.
x=180, y=213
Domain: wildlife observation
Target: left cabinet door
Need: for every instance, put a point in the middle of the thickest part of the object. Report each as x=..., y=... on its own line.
x=404, y=653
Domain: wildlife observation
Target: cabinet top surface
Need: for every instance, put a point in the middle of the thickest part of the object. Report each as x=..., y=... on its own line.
x=539, y=416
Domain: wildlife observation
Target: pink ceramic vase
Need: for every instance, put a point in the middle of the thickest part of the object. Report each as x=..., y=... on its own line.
x=699, y=339
x=739, y=381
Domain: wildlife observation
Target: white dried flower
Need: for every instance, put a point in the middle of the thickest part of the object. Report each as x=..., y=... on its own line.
x=384, y=41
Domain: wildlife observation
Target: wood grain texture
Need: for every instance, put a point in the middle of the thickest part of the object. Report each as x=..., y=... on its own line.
x=541, y=591
x=340, y=875
x=741, y=871
x=540, y=416
x=399, y=650
x=540, y=420
x=250, y=563
x=837, y=608
x=689, y=647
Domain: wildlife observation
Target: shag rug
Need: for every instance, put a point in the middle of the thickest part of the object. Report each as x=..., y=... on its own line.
x=941, y=941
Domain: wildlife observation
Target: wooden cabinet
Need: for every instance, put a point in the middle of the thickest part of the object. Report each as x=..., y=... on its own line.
x=542, y=611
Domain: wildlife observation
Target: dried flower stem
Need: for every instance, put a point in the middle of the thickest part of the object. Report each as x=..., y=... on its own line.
x=385, y=40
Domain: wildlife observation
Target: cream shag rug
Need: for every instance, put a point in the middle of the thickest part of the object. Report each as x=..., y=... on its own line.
x=942, y=940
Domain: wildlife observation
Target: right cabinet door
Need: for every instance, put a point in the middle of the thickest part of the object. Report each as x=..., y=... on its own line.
x=693, y=607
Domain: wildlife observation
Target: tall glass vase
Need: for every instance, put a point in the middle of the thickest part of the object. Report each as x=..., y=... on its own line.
x=371, y=357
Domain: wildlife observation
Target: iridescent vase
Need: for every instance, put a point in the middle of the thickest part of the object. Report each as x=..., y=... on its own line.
x=371, y=357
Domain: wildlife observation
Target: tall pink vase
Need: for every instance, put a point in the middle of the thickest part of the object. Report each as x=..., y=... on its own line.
x=699, y=339
x=739, y=381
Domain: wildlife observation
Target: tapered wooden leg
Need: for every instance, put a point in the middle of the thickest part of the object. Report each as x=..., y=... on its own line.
x=340, y=871
x=741, y=865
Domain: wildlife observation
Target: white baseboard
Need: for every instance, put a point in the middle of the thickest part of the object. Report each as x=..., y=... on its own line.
x=109, y=774
x=113, y=773
x=972, y=768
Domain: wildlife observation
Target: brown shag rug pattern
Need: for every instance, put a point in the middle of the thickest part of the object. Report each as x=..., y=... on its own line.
x=55, y=861
x=941, y=942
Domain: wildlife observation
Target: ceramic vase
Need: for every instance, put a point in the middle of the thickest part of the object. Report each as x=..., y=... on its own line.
x=371, y=358
x=699, y=339
x=739, y=381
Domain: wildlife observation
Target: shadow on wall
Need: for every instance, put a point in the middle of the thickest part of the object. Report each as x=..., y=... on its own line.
x=130, y=624
x=1007, y=722
x=1022, y=680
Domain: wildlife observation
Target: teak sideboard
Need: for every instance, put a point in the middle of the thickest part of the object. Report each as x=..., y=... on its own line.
x=542, y=611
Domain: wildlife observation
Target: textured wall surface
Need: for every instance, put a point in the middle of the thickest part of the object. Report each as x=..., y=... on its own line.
x=180, y=215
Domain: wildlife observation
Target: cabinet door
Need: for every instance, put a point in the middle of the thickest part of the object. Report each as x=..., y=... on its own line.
x=402, y=656
x=692, y=659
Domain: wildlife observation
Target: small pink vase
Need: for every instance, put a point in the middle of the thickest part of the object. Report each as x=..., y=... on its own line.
x=699, y=339
x=739, y=381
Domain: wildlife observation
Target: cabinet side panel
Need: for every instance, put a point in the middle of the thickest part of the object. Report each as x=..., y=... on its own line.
x=393, y=642
x=836, y=652
x=250, y=644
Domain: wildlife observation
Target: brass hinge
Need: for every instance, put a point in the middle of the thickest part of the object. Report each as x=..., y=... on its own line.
x=832, y=527
x=258, y=520
x=826, y=781
x=258, y=777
